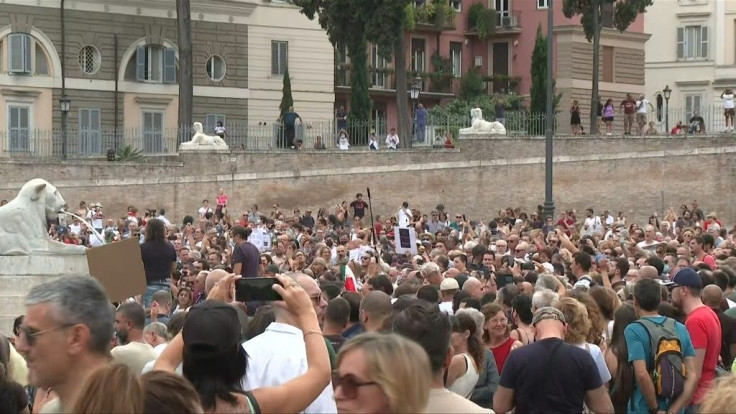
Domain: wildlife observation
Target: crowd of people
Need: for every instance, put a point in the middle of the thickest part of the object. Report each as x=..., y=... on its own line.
x=589, y=312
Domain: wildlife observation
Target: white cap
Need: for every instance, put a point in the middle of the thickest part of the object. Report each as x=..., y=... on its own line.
x=449, y=283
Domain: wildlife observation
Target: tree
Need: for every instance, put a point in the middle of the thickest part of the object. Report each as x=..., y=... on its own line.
x=592, y=13
x=538, y=92
x=186, y=80
x=354, y=23
x=286, y=99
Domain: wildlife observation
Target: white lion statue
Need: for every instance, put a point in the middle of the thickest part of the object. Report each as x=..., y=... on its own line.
x=480, y=126
x=200, y=140
x=23, y=222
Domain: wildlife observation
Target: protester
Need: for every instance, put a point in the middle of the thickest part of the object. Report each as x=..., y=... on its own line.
x=496, y=334
x=159, y=260
x=132, y=349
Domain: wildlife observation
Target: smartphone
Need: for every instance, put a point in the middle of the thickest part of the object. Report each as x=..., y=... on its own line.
x=503, y=279
x=253, y=289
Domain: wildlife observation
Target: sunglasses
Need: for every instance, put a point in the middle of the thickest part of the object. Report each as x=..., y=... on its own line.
x=349, y=384
x=31, y=335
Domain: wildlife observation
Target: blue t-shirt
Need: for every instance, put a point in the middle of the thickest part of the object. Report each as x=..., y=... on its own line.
x=640, y=348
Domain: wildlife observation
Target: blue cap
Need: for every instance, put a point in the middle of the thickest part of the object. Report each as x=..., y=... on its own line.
x=688, y=278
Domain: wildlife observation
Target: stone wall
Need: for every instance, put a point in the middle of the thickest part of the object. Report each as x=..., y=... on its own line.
x=634, y=175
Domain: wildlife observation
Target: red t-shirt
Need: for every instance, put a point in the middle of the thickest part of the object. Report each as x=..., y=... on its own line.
x=705, y=332
x=629, y=106
x=501, y=352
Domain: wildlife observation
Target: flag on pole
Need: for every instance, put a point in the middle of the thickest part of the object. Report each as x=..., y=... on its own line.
x=347, y=276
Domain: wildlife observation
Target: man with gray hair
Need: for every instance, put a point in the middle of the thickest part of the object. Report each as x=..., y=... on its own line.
x=543, y=298
x=431, y=273
x=65, y=336
x=156, y=334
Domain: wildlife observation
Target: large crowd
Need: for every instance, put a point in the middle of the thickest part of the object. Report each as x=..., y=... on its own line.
x=587, y=312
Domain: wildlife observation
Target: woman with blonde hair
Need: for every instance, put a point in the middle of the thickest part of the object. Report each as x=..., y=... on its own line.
x=578, y=328
x=113, y=388
x=721, y=398
x=379, y=373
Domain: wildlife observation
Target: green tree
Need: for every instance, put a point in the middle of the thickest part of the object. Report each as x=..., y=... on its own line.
x=354, y=23
x=286, y=99
x=471, y=85
x=592, y=12
x=538, y=92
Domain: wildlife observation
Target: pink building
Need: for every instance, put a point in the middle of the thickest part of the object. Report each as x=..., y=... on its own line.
x=503, y=58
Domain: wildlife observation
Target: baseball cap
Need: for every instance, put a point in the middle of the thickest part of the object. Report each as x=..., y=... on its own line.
x=449, y=283
x=212, y=328
x=548, y=312
x=688, y=278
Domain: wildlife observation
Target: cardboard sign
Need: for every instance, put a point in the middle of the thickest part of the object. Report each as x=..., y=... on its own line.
x=119, y=268
x=406, y=240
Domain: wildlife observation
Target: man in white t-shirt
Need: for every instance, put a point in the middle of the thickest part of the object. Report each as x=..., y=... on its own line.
x=205, y=208
x=448, y=289
x=404, y=215
x=592, y=223
x=642, y=105
x=649, y=243
x=728, y=108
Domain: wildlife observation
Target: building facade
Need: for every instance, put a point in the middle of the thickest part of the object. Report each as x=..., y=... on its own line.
x=118, y=71
x=504, y=58
x=693, y=51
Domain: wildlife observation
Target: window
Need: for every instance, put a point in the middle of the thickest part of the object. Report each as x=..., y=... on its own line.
x=216, y=68
x=90, y=134
x=153, y=132
x=378, y=75
x=502, y=11
x=660, y=107
x=211, y=121
x=279, y=57
x=19, y=53
x=542, y=4
x=89, y=60
x=42, y=64
x=692, y=105
x=692, y=42
x=457, y=5
x=607, y=61
x=418, y=56
x=155, y=64
x=19, y=127
x=456, y=54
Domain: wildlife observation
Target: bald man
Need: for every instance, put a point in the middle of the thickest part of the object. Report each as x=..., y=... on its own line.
x=375, y=308
x=712, y=298
x=648, y=272
x=473, y=287
x=241, y=308
x=212, y=278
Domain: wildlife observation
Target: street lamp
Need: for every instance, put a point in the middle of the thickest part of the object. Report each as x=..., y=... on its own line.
x=549, y=204
x=414, y=92
x=65, y=103
x=667, y=92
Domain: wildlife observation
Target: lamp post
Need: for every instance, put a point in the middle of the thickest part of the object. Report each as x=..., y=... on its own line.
x=667, y=92
x=549, y=204
x=416, y=89
x=65, y=103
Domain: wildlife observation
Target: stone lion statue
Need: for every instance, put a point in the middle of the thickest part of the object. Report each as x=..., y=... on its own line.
x=23, y=222
x=203, y=141
x=478, y=125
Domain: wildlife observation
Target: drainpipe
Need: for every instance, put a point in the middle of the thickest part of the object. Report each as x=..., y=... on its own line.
x=63, y=83
x=117, y=93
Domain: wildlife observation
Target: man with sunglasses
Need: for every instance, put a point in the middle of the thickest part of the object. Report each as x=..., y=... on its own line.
x=65, y=336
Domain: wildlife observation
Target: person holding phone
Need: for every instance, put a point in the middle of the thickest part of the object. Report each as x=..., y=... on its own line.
x=215, y=362
x=246, y=256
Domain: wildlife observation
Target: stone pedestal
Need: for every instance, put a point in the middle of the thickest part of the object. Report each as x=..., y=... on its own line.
x=18, y=274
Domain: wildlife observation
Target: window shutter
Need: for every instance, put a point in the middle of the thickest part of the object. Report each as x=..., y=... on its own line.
x=704, y=42
x=18, y=54
x=140, y=73
x=84, y=119
x=274, y=58
x=283, y=57
x=680, y=42
x=169, y=65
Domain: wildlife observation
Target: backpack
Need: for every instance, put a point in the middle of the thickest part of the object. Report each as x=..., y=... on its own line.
x=668, y=372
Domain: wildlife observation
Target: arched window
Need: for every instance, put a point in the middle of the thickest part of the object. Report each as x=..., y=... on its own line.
x=153, y=64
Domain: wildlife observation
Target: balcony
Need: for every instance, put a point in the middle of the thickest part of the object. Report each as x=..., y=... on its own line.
x=508, y=23
x=382, y=82
x=431, y=16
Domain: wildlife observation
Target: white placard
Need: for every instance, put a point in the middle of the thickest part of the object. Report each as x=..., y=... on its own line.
x=261, y=239
x=358, y=252
x=406, y=240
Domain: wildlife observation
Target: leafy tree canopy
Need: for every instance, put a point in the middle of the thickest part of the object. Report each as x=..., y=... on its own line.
x=624, y=12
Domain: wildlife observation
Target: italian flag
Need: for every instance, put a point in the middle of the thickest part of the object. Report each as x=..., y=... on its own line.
x=347, y=276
